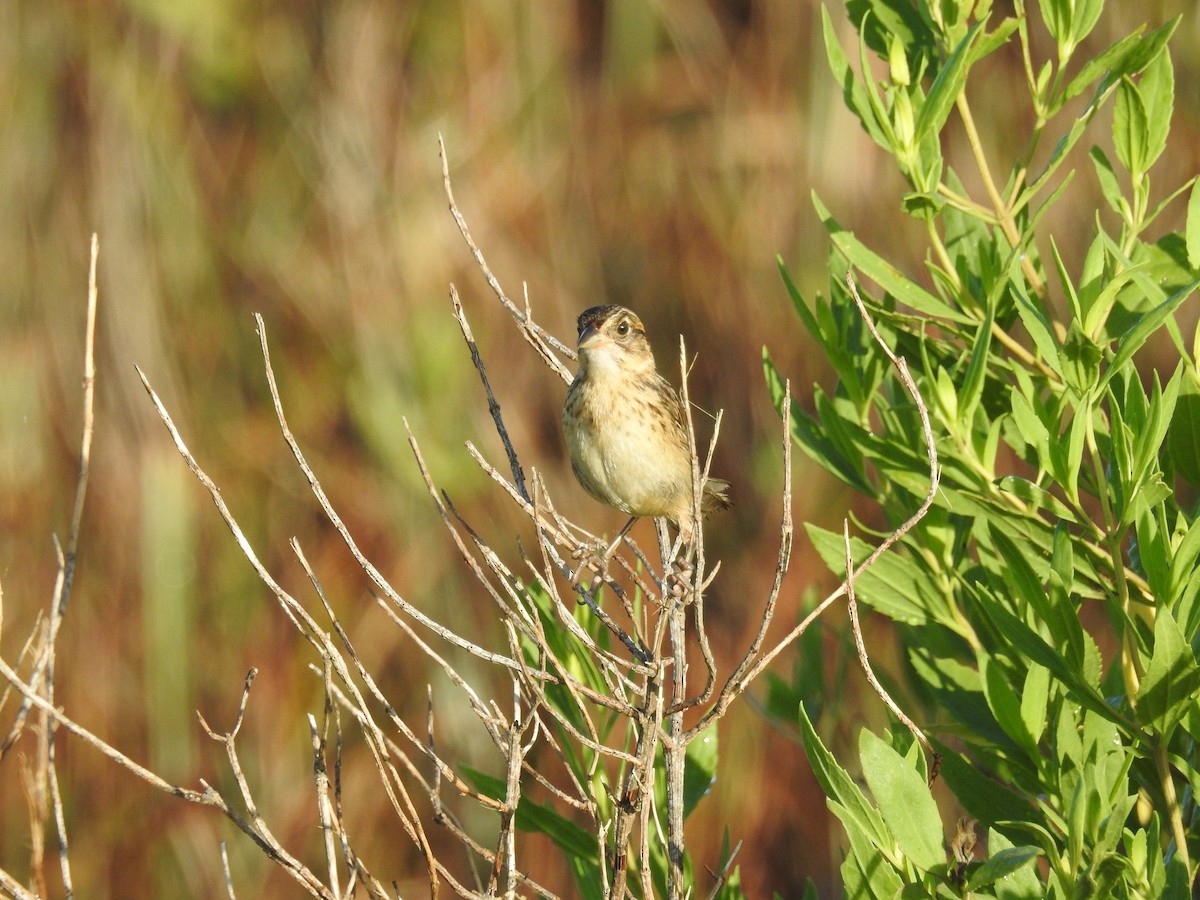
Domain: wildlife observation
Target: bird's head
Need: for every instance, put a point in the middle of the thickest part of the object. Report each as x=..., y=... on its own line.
x=613, y=339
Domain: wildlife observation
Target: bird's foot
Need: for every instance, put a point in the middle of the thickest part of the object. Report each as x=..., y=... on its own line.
x=592, y=556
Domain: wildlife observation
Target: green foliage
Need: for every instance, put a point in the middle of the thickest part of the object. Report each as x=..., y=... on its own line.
x=1047, y=604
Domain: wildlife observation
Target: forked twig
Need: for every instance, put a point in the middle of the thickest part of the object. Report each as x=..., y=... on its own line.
x=865, y=661
x=541, y=340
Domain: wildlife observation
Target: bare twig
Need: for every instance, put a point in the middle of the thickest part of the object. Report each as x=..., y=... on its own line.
x=336, y=520
x=225, y=871
x=493, y=406
x=723, y=875
x=207, y=797
x=324, y=811
x=865, y=662
x=541, y=340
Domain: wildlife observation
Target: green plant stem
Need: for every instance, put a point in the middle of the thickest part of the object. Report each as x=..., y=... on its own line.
x=1003, y=213
x=939, y=250
x=1174, y=813
x=966, y=205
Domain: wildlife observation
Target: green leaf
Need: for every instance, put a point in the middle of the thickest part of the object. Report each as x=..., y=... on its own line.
x=1127, y=56
x=946, y=87
x=894, y=585
x=699, y=768
x=985, y=798
x=976, y=377
x=1020, y=884
x=1056, y=15
x=840, y=788
x=1183, y=565
x=1109, y=186
x=1004, y=703
x=1038, y=326
x=1084, y=15
x=1002, y=865
x=853, y=94
x=1131, y=130
x=882, y=272
x=1029, y=644
x=1157, y=90
x=1100, y=65
x=1193, y=225
x=806, y=316
x=905, y=802
x=1035, y=699
x=812, y=436
x=1172, y=679
x=1144, y=326
x=867, y=871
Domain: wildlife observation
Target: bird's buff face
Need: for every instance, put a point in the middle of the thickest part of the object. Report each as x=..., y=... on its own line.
x=613, y=341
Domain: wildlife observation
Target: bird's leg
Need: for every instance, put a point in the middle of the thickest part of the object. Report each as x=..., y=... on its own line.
x=602, y=559
x=620, y=534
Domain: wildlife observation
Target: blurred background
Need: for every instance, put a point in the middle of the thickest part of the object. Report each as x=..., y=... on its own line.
x=239, y=157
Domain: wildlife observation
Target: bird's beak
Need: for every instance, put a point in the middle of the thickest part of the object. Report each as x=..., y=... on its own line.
x=590, y=337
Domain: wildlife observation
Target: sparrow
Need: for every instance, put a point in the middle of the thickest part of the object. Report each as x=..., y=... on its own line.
x=625, y=429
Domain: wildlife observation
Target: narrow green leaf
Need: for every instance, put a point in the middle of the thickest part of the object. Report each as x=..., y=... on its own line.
x=1100, y=65
x=1032, y=430
x=569, y=837
x=1110, y=187
x=976, y=377
x=1183, y=436
x=946, y=87
x=1031, y=645
x=884, y=273
x=1004, y=703
x=853, y=94
x=806, y=316
x=1183, y=565
x=1035, y=699
x=1148, y=441
x=1131, y=129
x=1068, y=285
x=839, y=787
x=1193, y=225
x=1038, y=326
x=1172, y=679
x=1056, y=15
x=1084, y=15
x=867, y=871
x=1075, y=442
x=1157, y=89
x=894, y=585
x=1002, y=865
x=1145, y=325
x=904, y=801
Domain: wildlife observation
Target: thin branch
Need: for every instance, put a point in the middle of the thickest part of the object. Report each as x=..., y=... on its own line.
x=207, y=797
x=493, y=406
x=336, y=520
x=864, y=660
x=734, y=687
x=541, y=340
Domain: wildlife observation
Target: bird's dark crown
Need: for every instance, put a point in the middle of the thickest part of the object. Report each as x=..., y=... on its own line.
x=598, y=315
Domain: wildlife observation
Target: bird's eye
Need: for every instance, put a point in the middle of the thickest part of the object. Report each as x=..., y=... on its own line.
x=623, y=329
